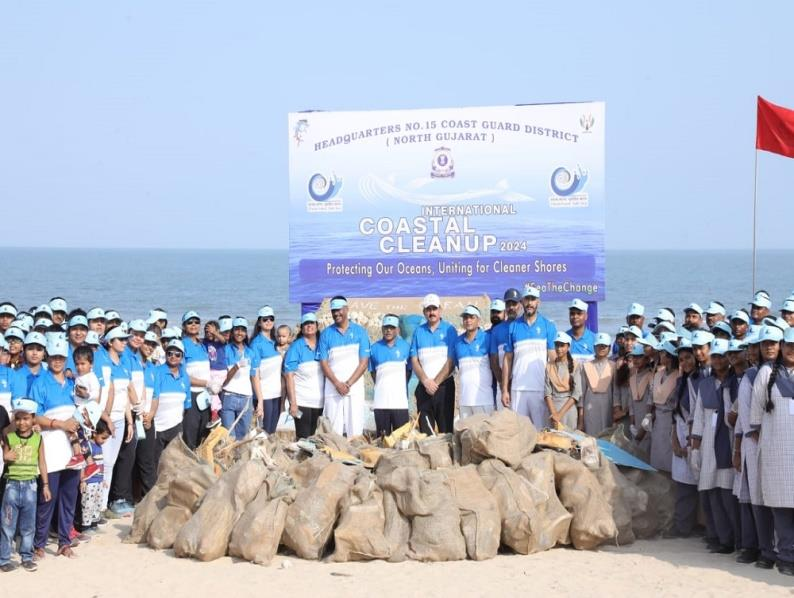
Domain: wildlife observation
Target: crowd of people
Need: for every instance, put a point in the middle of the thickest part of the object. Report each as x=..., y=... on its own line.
x=88, y=401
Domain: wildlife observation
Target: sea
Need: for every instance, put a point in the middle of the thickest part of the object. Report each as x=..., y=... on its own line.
x=239, y=282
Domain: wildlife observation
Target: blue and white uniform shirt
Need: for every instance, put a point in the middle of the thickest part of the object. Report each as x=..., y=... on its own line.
x=530, y=344
x=390, y=365
x=197, y=362
x=343, y=351
x=582, y=349
x=433, y=347
x=173, y=394
x=474, y=366
x=301, y=361
x=269, y=362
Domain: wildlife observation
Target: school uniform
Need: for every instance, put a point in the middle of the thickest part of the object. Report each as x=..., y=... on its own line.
x=561, y=384
x=474, y=373
x=756, y=520
x=663, y=397
x=390, y=365
x=715, y=482
x=238, y=393
x=309, y=382
x=343, y=351
x=775, y=448
x=530, y=344
x=685, y=480
x=55, y=401
x=433, y=348
x=195, y=420
x=173, y=396
x=597, y=383
x=639, y=388
x=269, y=364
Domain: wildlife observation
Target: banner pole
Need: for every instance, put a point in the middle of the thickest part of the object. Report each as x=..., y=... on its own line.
x=755, y=209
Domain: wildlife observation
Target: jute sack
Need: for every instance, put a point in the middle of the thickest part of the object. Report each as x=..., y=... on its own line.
x=306, y=472
x=553, y=522
x=206, y=536
x=359, y=534
x=391, y=459
x=658, y=515
x=480, y=521
x=503, y=435
x=436, y=450
x=581, y=494
x=185, y=492
x=257, y=534
x=397, y=529
x=624, y=497
x=310, y=519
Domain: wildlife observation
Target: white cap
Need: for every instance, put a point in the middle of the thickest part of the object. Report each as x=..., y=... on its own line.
x=761, y=299
x=695, y=308
x=719, y=346
x=225, y=324
x=562, y=337
x=742, y=315
x=636, y=309
x=578, y=304
x=788, y=305
x=788, y=335
x=770, y=333
x=57, y=348
x=7, y=309
x=666, y=315
x=117, y=332
x=715, y=308
x=602, y=338
x=156, y=314
x=92, y=338
x=34, y=338
x=531, y=290
x=96, y=313
x=175, y=344
x=58, y=305
x=431, y=300
x=635, y=331
x=664, y=325
x=702, y=337
x=138, y=326
x=470, y=310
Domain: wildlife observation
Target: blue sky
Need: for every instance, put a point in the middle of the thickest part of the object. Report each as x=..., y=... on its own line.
x=163, y=124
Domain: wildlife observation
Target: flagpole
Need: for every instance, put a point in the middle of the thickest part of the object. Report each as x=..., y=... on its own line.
x=755, y=210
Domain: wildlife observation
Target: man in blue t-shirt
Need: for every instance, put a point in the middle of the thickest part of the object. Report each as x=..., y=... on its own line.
x=431, y=361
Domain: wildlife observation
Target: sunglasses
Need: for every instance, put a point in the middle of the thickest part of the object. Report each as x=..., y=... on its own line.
x=268, y=319
x=192, y=322
x=173, y=354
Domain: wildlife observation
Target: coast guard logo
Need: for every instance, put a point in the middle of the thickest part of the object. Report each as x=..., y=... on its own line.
x=443, y=166
x=587, y=121
x=397, y=353
x=323, y=188
x=299, y=130
x=565, y=182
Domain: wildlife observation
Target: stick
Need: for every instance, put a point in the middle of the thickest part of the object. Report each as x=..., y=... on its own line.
x=755, y=209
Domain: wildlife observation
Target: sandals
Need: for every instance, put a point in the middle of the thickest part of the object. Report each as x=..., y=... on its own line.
x=66, y=551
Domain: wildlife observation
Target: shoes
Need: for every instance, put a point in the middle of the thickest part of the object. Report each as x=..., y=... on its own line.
x=30, y=566
x=90, y=470
x=66, y=551
x=213, y=423
x=76, y=462
x=673, y=533
x=764, y=563
x=747, y=556
x=722, y=549
x=785, y=568
x=121, y=507
x=38, y=554
x=109, y=514
x=8, y=568
x=79, y=536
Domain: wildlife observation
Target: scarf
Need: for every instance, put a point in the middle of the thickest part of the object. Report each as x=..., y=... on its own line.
x=639, y=385
x=559, y=384
x=711, y=397
x=663, y=386
x=599, y=381
x=784, y=383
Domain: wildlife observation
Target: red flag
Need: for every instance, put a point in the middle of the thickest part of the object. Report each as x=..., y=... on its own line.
x=775, y=129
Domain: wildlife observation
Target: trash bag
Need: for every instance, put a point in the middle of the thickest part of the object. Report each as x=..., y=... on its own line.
x=257, y=534
x=166, y=526
x=310, y=519
x=503, y=435
x=436, y=450
x=391, y=459
x=397, y=529
x=206, y=536
x=623, y=496
x=660, y=509
x=145, y=513
x=359, y=534
x=581, y=494
x=553, y=522
x=306, y=472
x=523, y=529
x=480, y=520
x=176, y=457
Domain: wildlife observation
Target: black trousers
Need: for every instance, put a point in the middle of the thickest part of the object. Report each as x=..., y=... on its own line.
x=161, y=440
x=194, y=423
x=438, y=410
x=145, y=468
x=388, y=420
x=306, y=425
x=121, y=484
x=686, y=507
x=765, y=529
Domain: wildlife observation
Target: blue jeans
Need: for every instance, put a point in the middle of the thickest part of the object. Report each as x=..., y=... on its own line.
x=19, y=508
x=64, y=486
x=232, y=405
x=271, y=409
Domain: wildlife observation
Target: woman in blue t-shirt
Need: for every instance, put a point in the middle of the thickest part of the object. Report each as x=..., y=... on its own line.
x=241, y=376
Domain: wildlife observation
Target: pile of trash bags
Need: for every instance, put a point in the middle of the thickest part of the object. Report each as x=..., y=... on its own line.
x=488, y=487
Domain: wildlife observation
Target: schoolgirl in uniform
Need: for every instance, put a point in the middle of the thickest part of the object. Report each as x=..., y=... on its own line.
x=664, y=388
x=563, y=389
x=640, y=395
x=597, y=377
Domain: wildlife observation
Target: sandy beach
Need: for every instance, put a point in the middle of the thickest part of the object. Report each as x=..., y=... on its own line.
x=106, y=567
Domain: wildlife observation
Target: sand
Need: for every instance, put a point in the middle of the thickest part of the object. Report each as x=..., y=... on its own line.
x=107, y=568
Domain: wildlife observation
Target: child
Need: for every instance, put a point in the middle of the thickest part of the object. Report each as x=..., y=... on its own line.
x=24, y=453
x=215, y=343
x=283, y=339
x=86, y=397
x=91, y=485
x=563, y=386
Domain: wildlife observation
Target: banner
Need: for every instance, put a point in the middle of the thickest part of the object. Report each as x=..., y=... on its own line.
x=460, y=201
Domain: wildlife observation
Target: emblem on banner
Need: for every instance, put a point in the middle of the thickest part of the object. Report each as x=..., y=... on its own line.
x=323, y=191
x=443, y=165
x=565, y=182
x=587, y=121
x=299, y=130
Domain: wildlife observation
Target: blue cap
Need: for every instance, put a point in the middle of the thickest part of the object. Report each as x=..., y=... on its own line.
x=497, y=305
x=338, y=304
x=770, y=333
x=78, y=320
x=92, y=338
x=470, y=310
x=668, y=348
x=96, y=313
x=665, y=337
x=742, y=315
x=393, y=321
x=719, y=346
x=176, y=344
x=112, y=315
x=43, y=323
x=150, y=337
x=578, y=304
x=155, y=315
x=723, y=326
x=562, y=337
x=635, y=309
x=15, y=333
x=25, y=405
x=138, y=326
x=225, y=324
x=189, y=315
x=117, y=332
x=57, y=348
x=266, y=312
x=512, y=294
x=34, y=338
x=308, y=318
x=638, y=350
x=602, y=338
x=702, y=337
x=735, y=345
x=531, y=291
x=788, y=335
x=684, y=344
x=58, y=305
x=635, y=331
x=43, y=309
x=240, y=323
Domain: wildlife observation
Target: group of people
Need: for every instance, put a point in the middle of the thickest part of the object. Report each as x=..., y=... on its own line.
x=708, y=399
